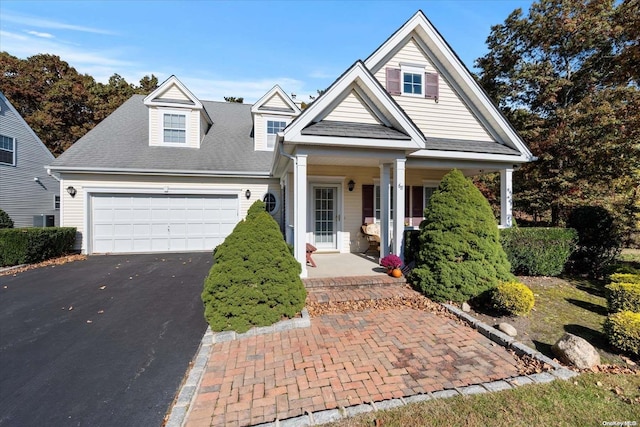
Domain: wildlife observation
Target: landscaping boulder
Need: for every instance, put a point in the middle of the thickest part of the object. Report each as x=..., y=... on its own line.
x=576, y=351
x=465, y=307
x=508, y=329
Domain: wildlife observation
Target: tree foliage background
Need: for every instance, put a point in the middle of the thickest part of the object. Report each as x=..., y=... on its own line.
x=566, y=75
x=57, y=102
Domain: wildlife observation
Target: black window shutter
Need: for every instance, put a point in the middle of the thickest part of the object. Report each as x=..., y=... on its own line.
x=367, y=202
x=431, y=89
x=393, y=81
x=417, y=210
x=407, y=200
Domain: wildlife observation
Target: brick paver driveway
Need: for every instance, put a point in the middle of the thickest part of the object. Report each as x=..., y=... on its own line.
x=343, y=360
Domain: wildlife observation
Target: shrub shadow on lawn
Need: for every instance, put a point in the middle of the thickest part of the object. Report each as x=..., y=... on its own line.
x=595, y=308
x=595, y=338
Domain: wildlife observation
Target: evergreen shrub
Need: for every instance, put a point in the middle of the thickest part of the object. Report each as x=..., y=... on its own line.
x=31, y=245
x=538, y=251
x=460, y=256
x=254, y=281
x=623, y=331
x=5, y=220
x=623, y=297
x=599, y=240
x=625, y=278
x=512, y=298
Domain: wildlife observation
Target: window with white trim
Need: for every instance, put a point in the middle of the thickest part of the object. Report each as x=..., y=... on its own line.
x=412, y=80
x=175, y=128
x=273, y=127
x=7, y=150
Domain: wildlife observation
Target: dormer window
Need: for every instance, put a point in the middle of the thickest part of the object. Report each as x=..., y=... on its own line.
x=175, y=128
x=273, y=127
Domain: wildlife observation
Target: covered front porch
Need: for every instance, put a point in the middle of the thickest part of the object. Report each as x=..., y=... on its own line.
x=334, y=264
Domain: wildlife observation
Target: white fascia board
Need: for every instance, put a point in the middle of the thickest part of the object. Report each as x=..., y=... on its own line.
x=125, y=171
x=389, y=144
x=268, y=95
x=356, y=73
x=456, y=70
x=465, y=155
x=446, y=164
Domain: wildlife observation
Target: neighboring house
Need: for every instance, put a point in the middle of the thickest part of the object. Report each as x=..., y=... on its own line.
x=26, y=190
x=170, y=172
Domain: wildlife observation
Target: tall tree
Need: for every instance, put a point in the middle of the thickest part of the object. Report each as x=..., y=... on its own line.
x=561, y=75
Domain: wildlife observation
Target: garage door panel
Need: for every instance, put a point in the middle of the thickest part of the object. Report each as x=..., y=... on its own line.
x=161, y=223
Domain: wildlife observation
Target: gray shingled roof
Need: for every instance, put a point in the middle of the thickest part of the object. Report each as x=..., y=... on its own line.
x=353, y=130
x=121, y=141
x=469, y=146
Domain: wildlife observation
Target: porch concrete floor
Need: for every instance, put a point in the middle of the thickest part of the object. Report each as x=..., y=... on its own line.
x=343, y=265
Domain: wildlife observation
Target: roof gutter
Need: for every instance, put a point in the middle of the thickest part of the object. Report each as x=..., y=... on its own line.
x=126, y=171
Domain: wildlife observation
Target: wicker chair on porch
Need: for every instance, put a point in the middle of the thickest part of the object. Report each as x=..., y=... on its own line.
x=372, y=233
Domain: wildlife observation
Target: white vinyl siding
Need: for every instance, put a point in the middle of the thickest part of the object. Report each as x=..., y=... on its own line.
x=352, y=109
x=447, y=118
x=276, y=101
x=174, y=93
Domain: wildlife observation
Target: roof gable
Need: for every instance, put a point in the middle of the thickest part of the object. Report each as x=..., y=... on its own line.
x=173, y=93
x=275, y=101
x=373, y=109
x=449, y=65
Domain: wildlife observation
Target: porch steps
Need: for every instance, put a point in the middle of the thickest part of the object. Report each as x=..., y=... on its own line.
x=353, y=281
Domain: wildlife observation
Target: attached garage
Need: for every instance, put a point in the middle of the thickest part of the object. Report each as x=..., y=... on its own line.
x=127, y=223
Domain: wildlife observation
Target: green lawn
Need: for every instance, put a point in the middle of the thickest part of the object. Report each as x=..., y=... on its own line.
x=587, y=400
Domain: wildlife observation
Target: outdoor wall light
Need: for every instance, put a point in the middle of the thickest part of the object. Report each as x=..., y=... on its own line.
x=351, y=185
x=247, y=194
x=72, y=191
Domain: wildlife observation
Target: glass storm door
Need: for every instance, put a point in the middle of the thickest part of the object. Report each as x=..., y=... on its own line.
x=325, y=211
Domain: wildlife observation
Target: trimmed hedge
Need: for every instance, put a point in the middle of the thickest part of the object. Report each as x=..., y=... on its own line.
x=31, y=245
x=255, y=280
x=512, y=298
x=459, y=255
x=538, y=251
x=623, y=331
x=625, y=278
x=623, y=297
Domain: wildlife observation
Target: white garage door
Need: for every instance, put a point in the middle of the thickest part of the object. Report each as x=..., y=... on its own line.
x=160, y=223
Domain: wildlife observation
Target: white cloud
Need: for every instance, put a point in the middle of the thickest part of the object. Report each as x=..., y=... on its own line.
x=50, y=24
x=39, y=34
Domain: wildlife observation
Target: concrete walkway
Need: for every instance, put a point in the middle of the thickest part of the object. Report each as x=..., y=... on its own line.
x=343, y=360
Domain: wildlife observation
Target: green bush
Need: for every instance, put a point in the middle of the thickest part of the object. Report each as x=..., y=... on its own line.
x=512, y=298
x=599, y=240
x=460, y=256
x=30, y=245
x=538, y=251
x=5, y=220
x=257, y=207
x=623, y=297
x=623, y=331
x=255, y=281
x=624, y=278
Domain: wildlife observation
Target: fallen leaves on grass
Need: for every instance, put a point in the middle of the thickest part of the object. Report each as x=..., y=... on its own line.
x=48, y=263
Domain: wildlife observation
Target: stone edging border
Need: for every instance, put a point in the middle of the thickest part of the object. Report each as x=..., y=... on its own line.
x=182, y=404
x=180, y=408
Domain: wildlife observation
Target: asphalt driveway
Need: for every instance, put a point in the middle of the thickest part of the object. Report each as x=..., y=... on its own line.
x=100, y=342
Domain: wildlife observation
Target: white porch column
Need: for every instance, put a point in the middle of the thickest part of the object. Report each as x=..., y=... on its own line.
x=398, y=207
x=385, y=208
x=506, y=198
x=300, y=212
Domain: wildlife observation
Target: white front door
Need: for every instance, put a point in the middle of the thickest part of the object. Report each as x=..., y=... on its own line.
x=325, y=216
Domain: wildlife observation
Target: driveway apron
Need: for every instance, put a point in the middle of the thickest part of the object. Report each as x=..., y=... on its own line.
x=100, y=342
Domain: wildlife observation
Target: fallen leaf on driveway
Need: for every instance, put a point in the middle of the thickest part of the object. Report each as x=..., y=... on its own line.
x=89, y=321
x=100, y=311
x=70, y=307
x=102, y=287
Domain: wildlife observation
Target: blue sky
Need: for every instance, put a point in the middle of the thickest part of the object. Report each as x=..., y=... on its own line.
x=239, y=48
